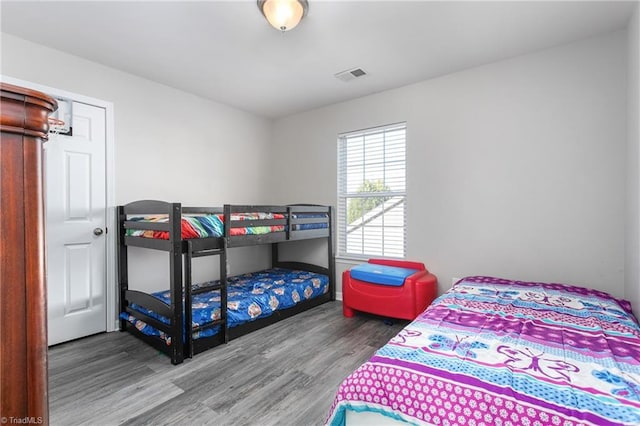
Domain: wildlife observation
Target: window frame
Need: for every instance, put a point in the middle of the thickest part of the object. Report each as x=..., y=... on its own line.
x=343, y=195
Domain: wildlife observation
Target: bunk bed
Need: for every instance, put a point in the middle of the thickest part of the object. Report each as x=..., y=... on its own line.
x=253, y=300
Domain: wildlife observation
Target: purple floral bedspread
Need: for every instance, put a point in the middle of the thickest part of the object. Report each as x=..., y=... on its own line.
x=499, y=352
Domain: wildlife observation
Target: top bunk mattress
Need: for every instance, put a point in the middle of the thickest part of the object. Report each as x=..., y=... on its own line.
x=206, y=226
x=212, y=226
x=495, y=351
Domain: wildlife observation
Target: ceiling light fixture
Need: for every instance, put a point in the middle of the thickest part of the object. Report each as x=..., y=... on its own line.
x=283, y=15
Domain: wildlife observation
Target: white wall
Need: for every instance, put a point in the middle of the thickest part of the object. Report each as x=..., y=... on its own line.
x=170, y=145
x=515, y=169
x=632, y=251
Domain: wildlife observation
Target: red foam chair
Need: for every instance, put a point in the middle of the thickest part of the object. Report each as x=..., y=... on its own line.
x=404, y=302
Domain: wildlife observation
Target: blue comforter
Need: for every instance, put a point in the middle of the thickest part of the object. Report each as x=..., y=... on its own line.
x=249, y=297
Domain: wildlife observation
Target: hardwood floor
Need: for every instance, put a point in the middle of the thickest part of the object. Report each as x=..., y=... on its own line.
x=286, y=373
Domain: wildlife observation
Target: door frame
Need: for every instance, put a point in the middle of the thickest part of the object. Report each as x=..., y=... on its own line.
x=110, y=283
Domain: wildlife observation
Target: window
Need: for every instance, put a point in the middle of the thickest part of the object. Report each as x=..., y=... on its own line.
x=372, y=192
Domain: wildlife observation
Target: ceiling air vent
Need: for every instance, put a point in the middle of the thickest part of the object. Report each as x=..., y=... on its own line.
x=349, y=75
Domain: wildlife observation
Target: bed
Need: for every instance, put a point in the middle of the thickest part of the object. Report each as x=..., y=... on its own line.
x=495, y=351
x=250, y=296
x=252, y=301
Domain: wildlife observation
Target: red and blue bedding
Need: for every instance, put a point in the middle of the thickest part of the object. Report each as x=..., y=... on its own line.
x=249, y=297
x=204, y=226
x=494, y=351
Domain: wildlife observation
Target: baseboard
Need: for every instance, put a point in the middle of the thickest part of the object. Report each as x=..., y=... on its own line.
x=339, y=295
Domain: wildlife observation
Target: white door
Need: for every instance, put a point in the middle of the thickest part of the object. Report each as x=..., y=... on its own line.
x=76, y=224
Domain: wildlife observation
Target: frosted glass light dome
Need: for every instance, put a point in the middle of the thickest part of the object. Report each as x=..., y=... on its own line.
x=283, y=15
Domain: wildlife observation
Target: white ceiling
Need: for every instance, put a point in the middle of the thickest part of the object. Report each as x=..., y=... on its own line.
x=226, y=51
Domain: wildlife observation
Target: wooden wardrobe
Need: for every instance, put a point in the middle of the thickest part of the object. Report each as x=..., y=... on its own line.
x=23, y=293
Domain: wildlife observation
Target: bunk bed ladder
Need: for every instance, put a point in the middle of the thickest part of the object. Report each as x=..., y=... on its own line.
x=224, y=270
x=188, y=304
x=196, y=248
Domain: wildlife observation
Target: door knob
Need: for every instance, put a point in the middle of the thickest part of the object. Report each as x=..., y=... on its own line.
x=98, y=231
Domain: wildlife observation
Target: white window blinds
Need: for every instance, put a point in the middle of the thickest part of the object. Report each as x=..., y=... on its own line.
x=372, y=192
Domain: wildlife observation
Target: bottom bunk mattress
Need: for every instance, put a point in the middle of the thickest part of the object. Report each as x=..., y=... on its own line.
x=499, y=352
x=249, y=297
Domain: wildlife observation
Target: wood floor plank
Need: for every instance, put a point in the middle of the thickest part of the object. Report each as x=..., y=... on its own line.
x=116, y=408
x=107, y=376
x=173, y=412
x=286, y=373
x=198, y=414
